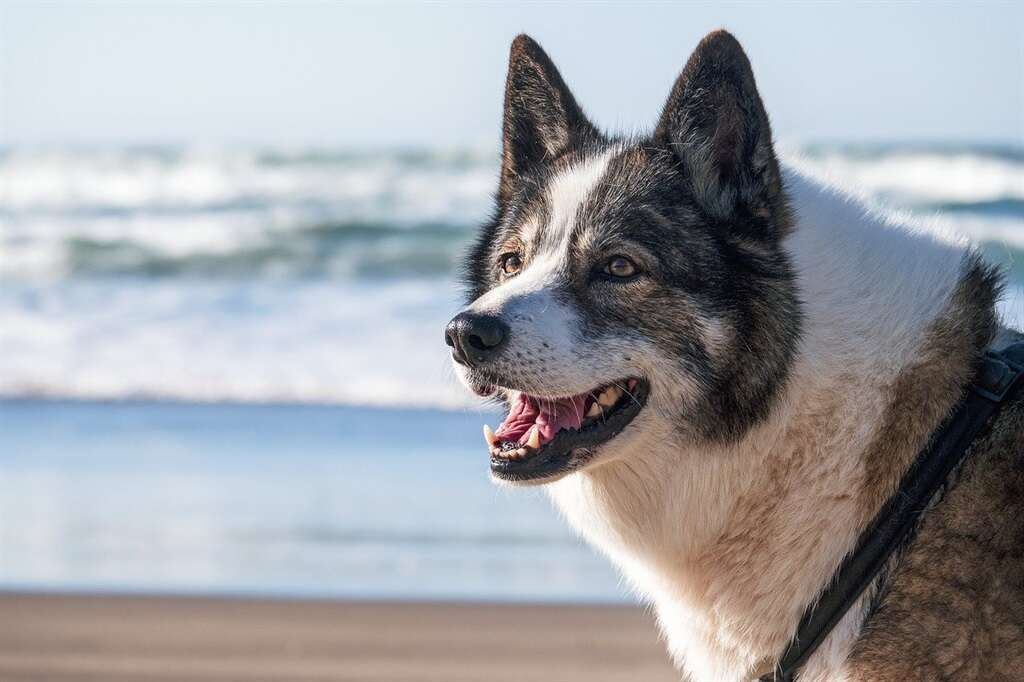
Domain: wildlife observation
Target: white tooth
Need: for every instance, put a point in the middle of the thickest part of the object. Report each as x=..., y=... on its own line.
x=489, y=435
x=609, y=396
x=594, y=411
x=534, y=441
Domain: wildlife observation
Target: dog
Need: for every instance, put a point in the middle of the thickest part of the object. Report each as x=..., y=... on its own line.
x=720, y=368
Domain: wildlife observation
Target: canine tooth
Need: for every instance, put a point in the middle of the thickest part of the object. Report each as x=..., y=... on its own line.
x=520, y=453
x=489, y=435
x=632, y=384
x=609, y=396
x=594, y=411
x=534, y=441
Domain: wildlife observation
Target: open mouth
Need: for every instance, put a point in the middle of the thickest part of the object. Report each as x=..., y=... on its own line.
x=543, y=437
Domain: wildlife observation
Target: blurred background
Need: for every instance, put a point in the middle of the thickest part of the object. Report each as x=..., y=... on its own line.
x=229, y=237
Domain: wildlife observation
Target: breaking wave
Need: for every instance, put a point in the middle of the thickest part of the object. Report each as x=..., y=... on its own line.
x=312, y=275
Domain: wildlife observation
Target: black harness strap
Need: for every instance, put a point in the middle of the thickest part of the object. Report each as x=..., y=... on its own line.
x=997, y=379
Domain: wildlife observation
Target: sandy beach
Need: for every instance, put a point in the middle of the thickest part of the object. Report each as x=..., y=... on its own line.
x=112, y=638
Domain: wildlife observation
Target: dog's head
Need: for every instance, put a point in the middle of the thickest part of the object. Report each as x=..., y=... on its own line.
x=628, y=291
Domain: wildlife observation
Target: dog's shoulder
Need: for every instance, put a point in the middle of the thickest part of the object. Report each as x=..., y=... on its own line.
x=954, y=608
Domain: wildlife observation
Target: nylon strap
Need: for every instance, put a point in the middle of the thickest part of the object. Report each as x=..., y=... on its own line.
x=997, y=380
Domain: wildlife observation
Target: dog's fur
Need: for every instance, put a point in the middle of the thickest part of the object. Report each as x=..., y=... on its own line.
x=800, y=350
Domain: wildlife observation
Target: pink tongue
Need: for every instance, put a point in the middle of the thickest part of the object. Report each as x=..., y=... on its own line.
x=548, y=417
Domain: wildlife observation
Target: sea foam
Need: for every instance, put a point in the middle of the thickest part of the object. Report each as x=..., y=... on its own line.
x=318, y=276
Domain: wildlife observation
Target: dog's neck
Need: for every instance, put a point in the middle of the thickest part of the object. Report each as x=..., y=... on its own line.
x=731, y=543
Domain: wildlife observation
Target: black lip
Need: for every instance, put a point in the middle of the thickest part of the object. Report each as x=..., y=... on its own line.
x=571, y=449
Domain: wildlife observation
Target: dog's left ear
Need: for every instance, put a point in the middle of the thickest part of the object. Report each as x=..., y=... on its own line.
x=717, y=127
x=542, y=118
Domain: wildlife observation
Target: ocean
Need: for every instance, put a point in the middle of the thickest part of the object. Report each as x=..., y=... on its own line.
x=222, y=370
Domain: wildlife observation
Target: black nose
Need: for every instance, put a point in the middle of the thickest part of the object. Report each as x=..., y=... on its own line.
x=475, y=338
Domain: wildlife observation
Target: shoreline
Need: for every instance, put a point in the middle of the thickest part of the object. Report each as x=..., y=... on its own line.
x=206, y=639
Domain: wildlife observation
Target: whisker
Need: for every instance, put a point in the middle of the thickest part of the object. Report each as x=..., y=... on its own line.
x=577, y=411
x=627, y=392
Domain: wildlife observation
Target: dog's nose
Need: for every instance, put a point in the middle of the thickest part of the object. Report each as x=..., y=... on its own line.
x=474, y=337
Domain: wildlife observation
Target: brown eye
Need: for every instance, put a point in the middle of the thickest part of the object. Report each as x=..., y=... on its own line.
x=620, y=266
x=511, y=263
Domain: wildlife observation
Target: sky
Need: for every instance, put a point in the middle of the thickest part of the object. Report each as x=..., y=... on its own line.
x=395, y=74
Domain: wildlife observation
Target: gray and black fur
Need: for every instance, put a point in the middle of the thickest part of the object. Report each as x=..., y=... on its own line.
x=702, y=197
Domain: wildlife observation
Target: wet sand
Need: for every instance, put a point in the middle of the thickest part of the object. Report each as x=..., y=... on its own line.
x=121, y=638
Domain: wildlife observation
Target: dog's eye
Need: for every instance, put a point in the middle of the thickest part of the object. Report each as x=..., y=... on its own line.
x=620, y=266
x=511, y=263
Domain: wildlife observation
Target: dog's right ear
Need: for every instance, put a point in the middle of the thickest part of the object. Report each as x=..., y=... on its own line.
x=542, y=119
x=716, y=125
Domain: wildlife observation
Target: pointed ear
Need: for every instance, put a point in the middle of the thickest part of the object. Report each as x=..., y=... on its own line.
x=542, y=118
x=717, y=127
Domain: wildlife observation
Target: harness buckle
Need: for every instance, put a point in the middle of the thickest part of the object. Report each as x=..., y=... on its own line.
x=996, y=376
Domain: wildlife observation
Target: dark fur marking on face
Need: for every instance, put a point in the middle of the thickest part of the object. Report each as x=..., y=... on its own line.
x=702, y=275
